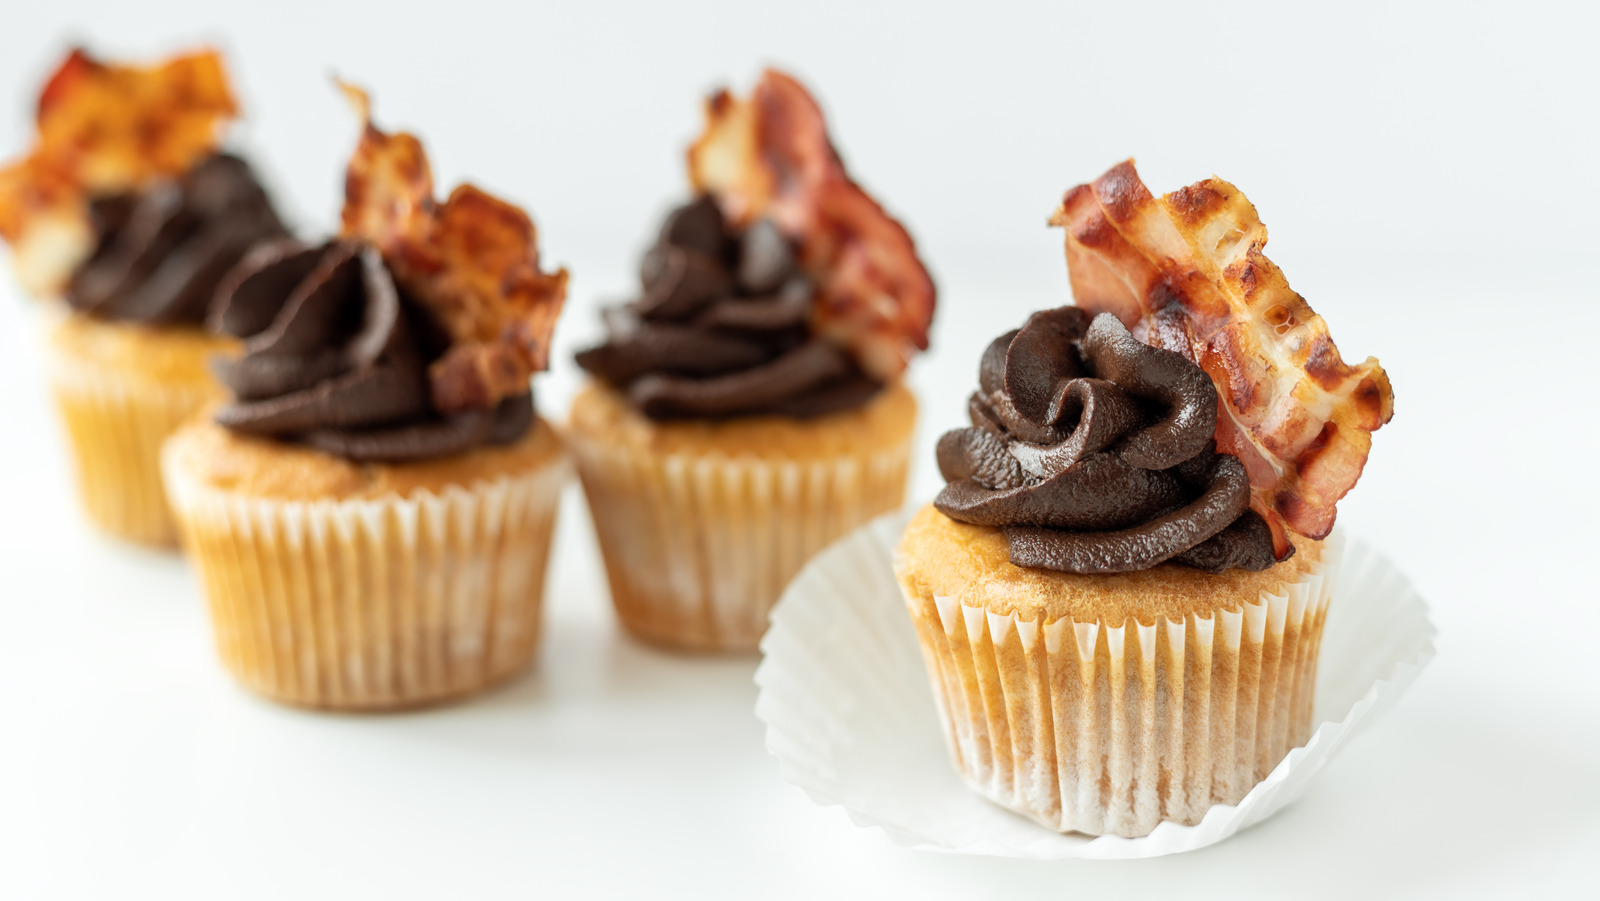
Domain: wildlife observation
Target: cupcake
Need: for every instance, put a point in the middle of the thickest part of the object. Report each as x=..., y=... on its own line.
x=128, y=212
x=747, y=409
x=370, y=512
x=1121, y=589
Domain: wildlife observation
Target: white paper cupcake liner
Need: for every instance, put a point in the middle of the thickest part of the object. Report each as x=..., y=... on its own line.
x=698, y=548
x=116, y=429
x=851, y=716
x=1112, y=729
x=371, y=604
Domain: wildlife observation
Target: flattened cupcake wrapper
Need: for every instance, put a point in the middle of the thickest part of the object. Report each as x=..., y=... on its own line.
x=115, y=428
x=699, y=548
x=1110, y=730
x=371, y=604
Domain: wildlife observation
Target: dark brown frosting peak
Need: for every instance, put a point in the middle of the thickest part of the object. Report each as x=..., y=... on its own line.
x=336, y=356
x=722, y=328
x=161, y=253
x=1094, y=453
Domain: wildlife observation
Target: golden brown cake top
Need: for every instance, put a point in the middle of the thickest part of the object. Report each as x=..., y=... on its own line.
x=972, y=563
x=603, y=414
x=158, y=354
x=261, y=468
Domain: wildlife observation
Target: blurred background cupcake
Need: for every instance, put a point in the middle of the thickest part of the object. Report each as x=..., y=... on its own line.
x=127, y=211
x=747, y=409
x=371, y=513
x=1121, y=591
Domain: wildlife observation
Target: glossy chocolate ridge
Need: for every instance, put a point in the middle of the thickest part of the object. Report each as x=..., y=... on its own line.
x=1094, y=453
x=160, y=254
x=336, y=357
x=722, y=329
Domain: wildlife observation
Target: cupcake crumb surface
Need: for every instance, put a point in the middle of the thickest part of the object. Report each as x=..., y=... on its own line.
x=973, y=563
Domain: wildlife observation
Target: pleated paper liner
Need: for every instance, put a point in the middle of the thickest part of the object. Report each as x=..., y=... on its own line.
x=117, y=415
x=851, y=715
x=699, y=546
x=1098, y=728
x=374, y=604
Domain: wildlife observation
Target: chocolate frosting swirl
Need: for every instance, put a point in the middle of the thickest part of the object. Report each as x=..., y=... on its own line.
x=336, y=356
x=722, y=328
x=1094, y=453
x=161, y=253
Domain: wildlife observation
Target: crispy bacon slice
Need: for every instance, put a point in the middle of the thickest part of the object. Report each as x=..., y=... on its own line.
x=473, y=260
x=1186, y=272
x=44, y=218
x=105, y=129
x=769, y=155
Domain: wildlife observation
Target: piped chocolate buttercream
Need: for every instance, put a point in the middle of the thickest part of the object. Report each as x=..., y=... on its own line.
x=722, y=328
x=1094, y=453
x=161, y=253
x=336, y=356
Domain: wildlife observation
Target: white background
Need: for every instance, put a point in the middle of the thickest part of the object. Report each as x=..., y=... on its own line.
x=1428, y=174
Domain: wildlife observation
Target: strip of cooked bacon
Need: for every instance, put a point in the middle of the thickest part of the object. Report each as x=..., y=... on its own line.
x=104, y=129
x=769, y=156
x=1186, y=272
x=45, y=220
x=473, y=260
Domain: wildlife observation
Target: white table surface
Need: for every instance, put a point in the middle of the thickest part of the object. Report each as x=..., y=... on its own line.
x=1428, y=178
